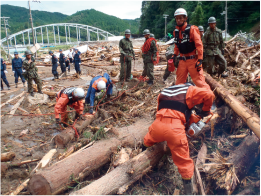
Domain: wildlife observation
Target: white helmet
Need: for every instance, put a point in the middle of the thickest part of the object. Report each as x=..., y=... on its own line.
x=180, y=11
x=78, y=93
x=101, y=85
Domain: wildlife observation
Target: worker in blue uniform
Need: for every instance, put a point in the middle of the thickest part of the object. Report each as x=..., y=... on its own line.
x=98, y=83
x=77, y=61
x=17, y=64
x=54, y=66
x=3, y=77
x=62, y=61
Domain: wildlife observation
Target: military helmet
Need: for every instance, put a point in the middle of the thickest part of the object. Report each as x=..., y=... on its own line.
x=200, y=28
x=28, y=52
x=146, y=32
x=152, y=35
x=180, y=11
x=127, y=31
x=50, y=52
x=15, y=52
x=60, y=50
x=212, y=20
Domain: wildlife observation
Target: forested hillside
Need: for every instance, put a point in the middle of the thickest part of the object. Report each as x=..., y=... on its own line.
x=242, y=15
x=19, y=20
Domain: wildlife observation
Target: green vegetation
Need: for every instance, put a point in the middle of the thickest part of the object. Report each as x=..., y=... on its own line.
x=19, y=20
x=242, y=15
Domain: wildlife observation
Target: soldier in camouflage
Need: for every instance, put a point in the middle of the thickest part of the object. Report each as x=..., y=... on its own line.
x=214, y=49
x=127, y=53
x=149, y=56
x=169, y=54
x=30, y=73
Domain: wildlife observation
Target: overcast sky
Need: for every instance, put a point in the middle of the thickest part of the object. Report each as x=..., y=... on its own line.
x=122, y=9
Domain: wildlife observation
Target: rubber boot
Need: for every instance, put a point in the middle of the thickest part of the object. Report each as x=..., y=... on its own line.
x=68, y=70
x=24, y=84
x=8, y=87
x=188, y=188
x=57, y=76
x=150, y=82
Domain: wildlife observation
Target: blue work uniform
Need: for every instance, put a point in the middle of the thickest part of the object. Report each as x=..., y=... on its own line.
x=77, y=60
x=61, y=61
x=93, y=88
x=3, y=76
x=17, y=68
x=55, y=65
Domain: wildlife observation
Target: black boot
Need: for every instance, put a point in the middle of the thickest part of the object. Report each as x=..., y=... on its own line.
x=8, y=87
x=16, y=85
x=188, y=188
x=68, y=70
x=150, y=82
x=57, y=76
x=224, y=75
x=24, y=84
x=32, y=94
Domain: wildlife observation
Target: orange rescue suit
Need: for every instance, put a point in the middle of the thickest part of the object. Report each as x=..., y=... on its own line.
x=169, y=126
x=62, y=100
x=188, y=66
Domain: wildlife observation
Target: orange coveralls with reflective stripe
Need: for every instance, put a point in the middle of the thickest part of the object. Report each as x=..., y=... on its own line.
x=188, y=66
x=169, y=126
x=62, y=101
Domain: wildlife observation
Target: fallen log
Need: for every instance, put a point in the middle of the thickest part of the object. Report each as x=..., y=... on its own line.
x=244, y=156
x=8, y=156
x=14, y=108
x=10, y=100
x=50, y=93
x=125, y=174
x=249, y=117
x=54, y=180
x=63, y=138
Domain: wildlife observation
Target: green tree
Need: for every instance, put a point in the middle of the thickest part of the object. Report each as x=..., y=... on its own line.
x=197, y=16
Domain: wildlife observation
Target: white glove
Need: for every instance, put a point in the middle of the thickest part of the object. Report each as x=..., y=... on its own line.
x=23, y=70
x=5, y=71
x=79, y=63
x=13, y=71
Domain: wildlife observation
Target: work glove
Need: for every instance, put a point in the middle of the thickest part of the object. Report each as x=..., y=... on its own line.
x=58, y=121
x=24, y=71
x=5, y=71
x=199, y=65
x=204, y=114
x=223, y=52
x=91, y=111
x=13, y=71
x=174, y=58
x=79, y=63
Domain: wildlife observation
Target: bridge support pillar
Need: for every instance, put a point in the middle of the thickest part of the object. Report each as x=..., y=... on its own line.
x=65, y=34
x=42, y=35
x=98, y=35
x=69, y=34
x=58, y=34
x=54, y=36
x=28, y=38
x=23, y=39
x=47, y=35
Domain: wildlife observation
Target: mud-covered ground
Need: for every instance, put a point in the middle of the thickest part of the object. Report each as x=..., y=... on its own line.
x=163, y=179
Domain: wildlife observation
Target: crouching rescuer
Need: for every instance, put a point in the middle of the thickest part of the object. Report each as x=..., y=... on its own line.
x=98, y=84
x=72, y=97
x=174, y=109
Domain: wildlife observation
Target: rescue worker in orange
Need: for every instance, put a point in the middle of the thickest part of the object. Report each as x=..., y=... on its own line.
x=175, y=104
x=187, y=41
x=72, y=97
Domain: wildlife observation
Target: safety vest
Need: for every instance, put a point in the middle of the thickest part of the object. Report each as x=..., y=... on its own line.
x=69, y=93
x=95, y=83
x=174, y=98
x=184, y=44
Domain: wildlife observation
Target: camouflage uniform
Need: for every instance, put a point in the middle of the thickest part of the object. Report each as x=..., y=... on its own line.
x=148, y=67
x=169, y=54
x=126, y=47
x=31, y=74
x=213, y=45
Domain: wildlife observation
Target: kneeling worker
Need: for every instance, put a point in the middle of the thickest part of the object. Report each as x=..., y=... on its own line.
x=175, y=104
x=98, y=83
x=72, y=97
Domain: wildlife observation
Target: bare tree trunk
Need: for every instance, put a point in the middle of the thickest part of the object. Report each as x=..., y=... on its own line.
x=124, y=175
x=249, y=117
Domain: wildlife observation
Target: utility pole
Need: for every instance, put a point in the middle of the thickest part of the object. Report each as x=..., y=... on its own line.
x=31, y=18
x=225, y=12
x=165, y=16
x=5, y=21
